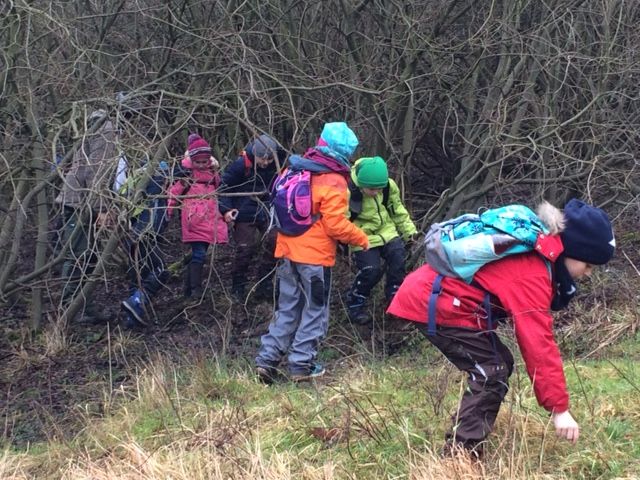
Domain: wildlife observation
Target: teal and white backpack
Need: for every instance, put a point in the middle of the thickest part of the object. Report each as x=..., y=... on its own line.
x=461, y=246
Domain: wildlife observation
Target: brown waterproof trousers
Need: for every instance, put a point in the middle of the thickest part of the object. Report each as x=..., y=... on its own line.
x=488, y=364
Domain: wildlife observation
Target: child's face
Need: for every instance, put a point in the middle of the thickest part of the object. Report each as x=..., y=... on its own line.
x=200, y=163
x=371, y=192
x=263, y=162
x=577, y=268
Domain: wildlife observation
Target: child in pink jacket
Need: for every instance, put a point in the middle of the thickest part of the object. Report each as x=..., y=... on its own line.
x=202, y=224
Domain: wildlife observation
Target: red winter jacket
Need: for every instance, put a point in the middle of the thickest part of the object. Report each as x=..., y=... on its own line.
x=522, y=285
x=201, y=221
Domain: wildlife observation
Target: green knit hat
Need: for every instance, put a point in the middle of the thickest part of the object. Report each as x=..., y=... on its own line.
x=371, y=172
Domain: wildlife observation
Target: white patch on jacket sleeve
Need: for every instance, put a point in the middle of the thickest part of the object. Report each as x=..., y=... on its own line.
x=456, y=302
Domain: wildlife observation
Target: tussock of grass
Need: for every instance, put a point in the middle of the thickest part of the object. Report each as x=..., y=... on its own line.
x=203, y=419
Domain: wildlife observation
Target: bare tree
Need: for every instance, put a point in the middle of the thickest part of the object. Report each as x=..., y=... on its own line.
x=472, y=103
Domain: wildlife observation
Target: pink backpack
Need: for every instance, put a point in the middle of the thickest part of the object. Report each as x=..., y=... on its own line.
x=291, y=202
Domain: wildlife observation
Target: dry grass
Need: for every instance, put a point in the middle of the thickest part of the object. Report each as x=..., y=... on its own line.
x=197, y=418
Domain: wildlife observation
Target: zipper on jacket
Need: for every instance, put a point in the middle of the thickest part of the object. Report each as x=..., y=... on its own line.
x=375, y=199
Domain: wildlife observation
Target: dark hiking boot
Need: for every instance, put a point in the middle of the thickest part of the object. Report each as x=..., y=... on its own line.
x=359, y=315
x=317, y=370
x=135, y=306
x=356, y=308
x=459, y=450
x=130, y=323
x=267, y=375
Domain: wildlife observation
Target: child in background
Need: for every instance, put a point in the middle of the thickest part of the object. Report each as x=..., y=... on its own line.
x=143, y=242
x=202, y=224
x=304, y=273
x=253, y=171
x=376, y=207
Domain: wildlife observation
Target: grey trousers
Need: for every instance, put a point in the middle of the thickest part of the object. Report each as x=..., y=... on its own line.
x=301, y=319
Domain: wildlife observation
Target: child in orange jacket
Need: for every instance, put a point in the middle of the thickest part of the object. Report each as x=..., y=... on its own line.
x=304, y=273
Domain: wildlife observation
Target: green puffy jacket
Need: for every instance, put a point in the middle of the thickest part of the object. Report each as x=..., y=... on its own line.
x=384, y=223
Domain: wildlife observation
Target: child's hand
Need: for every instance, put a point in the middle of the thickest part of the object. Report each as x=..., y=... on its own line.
x=231, y=215
x=214, y=163
x=566, y=426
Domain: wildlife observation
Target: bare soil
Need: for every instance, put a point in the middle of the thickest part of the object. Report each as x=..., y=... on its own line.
x=47, y=394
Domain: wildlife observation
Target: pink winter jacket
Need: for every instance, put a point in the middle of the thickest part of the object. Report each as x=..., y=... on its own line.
x=200, y=219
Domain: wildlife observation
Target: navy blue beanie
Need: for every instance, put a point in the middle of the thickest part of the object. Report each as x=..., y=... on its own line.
x=587, y=235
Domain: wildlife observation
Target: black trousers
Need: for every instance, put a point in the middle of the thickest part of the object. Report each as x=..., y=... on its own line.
x=488, y=364
x=371, y=270
x=146, y=264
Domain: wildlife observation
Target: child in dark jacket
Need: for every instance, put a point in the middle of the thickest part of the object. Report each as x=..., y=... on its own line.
x=202, y=224
x=523, y=290
x=376, y=207
x=146, y=270
x=253, y=171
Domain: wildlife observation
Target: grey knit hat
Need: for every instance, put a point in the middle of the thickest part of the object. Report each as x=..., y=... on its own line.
x=264, y=147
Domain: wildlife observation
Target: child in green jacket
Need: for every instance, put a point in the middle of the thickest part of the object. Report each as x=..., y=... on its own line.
x=376, y=207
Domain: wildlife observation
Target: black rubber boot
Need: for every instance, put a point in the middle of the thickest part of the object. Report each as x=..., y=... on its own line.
x=195, y=279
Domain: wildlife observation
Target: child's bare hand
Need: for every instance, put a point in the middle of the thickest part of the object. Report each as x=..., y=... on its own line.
x=231, y=215
x=105, y=220
x=566, y=426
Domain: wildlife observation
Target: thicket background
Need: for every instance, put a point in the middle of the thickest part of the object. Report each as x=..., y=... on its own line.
x=471, y=103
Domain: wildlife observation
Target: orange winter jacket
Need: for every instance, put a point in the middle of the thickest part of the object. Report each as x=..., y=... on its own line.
x=317, y=246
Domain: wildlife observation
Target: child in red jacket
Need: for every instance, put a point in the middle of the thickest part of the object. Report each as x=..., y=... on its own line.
x=202, y=224
x=521, y=289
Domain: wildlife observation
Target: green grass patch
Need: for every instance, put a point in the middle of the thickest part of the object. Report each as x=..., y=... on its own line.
x=382, y=419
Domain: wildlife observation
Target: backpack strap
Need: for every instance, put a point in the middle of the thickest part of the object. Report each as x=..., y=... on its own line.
x=436, y=290
x=355, y=199
x=248, y=164
x=385, y=196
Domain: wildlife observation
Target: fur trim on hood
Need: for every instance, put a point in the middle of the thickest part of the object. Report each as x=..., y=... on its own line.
x=552, y=217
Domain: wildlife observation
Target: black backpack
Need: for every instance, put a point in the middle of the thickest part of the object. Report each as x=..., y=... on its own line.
x=355, y=200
